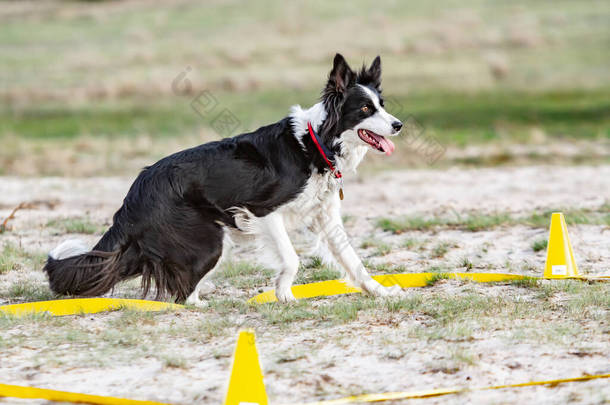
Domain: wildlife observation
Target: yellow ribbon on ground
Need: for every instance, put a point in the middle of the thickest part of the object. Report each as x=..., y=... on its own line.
x=84, y=306
x=16, y=391
x=393, y=396
x=405, y=280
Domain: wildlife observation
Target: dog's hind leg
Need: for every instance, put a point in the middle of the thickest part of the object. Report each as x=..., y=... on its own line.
x=205, y=286
x=280, y=254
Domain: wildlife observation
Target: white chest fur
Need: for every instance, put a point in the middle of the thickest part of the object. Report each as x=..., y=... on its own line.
x=315, y=197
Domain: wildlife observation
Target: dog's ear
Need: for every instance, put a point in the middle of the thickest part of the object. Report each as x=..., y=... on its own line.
x=372, y=75
x=375, y=71
x=341, y=77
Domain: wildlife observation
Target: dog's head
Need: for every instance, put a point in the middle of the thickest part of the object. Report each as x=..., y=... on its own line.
x=354, y=106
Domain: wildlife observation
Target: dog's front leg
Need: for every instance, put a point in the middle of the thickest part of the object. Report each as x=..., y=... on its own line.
x=330, y=225
x=280, y=254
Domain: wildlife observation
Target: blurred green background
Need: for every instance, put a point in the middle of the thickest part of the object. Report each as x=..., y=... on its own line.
x=86, y=86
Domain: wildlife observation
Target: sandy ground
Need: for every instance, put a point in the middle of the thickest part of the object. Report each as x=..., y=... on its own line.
x=365, y=355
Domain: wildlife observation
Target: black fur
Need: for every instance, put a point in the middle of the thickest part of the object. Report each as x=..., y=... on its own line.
x=343, y=99
x=170, y=226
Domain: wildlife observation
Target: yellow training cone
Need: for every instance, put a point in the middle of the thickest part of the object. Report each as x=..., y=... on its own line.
x=246, y=386
x=560, y=261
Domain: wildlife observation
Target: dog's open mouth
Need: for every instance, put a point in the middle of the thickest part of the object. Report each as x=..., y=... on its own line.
x=376, y=141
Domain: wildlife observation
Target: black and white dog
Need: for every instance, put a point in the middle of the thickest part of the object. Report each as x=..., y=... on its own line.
x=174, y=219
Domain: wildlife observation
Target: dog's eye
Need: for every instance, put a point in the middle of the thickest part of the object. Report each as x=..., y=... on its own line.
x=364, y=108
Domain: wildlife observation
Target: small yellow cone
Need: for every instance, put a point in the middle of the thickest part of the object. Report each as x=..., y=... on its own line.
x=246, y=384
x=560, y=261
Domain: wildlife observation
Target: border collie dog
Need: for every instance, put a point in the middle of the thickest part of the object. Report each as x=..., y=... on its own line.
x=257, y=185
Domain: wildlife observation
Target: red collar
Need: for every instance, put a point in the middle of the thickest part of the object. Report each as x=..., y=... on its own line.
x=321, y=148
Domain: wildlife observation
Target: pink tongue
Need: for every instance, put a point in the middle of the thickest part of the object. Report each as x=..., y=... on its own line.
x=386, y=145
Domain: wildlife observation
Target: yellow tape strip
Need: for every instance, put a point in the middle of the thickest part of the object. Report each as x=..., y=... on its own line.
x=16, y=391
x=84, y=306
x=405, y=280
x=392, y=396
x=589, y=278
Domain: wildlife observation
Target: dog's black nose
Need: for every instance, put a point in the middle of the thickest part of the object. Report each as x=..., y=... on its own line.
x=397, y=125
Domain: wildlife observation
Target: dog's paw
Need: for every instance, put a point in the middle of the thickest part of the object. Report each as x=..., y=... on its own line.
x=372, y=287
x=196, y=302
x=392, y=291
x=284, y=295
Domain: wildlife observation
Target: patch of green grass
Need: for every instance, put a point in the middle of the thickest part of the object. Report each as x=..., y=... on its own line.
x=472, y=222
x=235, y=269
x=455, y=118
x=340, y=310
x=28, y=291
x=316, y=270
x=227, y=305
x=276, y=313
x=463, y=356
x=130, y=318
x=458, y=331
x=437, y=269
x=466, y=262
x=394, y=353
x=547, y=331
x=290, y=355
x=410, y=243
x=476, y=223
x=441, y=249
x=76, y=225
x=210, y=328
x=528, y=265
x=175, y=361
x=572, y=216
x=101, y=119
x=315, y=262
x=527, y=282
x=317, y=274
x=590, y=301
x=381, y=248
x=368, y=243
x=347, y=218
x=126, y=338
x=482, y=111
x=479, y=222
x=400, y=225
x=539, y=245
x=244, y=274
x=435, y=278
x=42, y=320
x=11, y=258
x=403, y=304
x=385, y=268
x=343, y=310
x=449, y=309
x=202, y=331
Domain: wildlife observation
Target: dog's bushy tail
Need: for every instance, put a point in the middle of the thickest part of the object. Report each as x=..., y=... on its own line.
x=73, y=269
